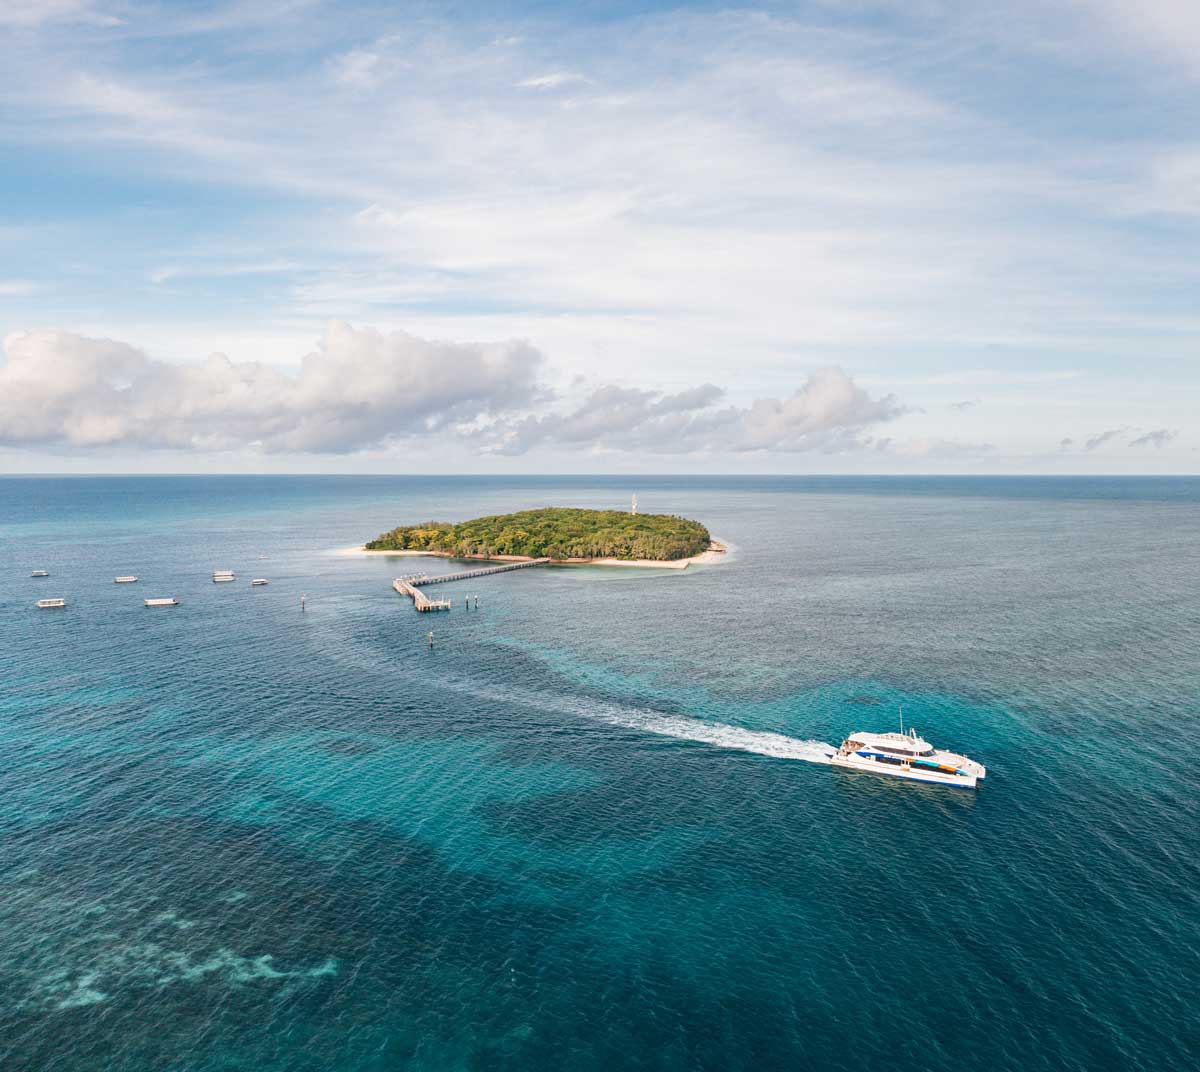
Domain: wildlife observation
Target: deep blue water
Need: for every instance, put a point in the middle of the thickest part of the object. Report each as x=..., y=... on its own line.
x=238, y=836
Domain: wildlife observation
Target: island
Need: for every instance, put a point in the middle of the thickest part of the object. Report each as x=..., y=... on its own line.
x=562, y=535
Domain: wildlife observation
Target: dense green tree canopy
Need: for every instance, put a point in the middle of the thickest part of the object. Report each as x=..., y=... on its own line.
x=555, y=533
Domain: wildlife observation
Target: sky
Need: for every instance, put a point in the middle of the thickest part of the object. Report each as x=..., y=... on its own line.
x=830, y=237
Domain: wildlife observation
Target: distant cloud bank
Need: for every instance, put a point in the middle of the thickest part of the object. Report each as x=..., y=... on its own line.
x=1157, y=438
x=828, y=413
x=362, y=389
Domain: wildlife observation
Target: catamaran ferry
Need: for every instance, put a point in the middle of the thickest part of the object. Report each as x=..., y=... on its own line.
x=905, y=755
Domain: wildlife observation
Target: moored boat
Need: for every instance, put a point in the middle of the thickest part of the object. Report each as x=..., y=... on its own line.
x=259, y=581
x=46, y=604
x=40, y=573
x=124, y=580
x=161, y=602
x=905, y=755
x=222, y=575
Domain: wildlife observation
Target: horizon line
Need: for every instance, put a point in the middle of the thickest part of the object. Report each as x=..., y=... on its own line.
x=643, y=476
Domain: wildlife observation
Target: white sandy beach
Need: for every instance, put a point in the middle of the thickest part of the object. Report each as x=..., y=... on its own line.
x=717, y=552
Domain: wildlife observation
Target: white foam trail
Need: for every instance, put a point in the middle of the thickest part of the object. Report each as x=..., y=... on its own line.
x=722, y=735
x=683, y=728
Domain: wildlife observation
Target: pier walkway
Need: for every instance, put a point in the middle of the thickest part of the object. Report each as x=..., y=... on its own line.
x=411, y=586
x=420, y=600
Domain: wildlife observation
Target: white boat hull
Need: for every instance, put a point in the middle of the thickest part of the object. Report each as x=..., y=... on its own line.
x=903, y=770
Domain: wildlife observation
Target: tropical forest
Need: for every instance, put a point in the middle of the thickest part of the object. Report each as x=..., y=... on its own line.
x=556, y=533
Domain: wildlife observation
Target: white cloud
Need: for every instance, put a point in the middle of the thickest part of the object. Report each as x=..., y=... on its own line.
x=828, y=413
x=359, y=388
x=794, y=178
x=551, y=81
x=1166, y=28
x=727, y=187
x=1174, y=182
x=359, y=67
x=16, y=288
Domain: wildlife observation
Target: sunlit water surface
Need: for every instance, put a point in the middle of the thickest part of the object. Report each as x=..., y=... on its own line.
x=579, y=833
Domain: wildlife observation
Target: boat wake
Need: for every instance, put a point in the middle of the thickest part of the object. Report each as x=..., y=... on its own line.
x=721, y=735
x=685, y=728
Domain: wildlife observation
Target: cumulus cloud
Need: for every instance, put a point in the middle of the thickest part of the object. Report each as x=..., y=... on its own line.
x=828, y=413
x=362, y=389
x=359, y=388
x=1160, y=437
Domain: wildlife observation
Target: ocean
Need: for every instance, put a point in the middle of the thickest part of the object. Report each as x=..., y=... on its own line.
x=580, y=831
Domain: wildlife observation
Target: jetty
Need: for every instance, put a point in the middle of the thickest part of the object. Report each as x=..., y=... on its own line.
x=411, y=586
x=420, y=600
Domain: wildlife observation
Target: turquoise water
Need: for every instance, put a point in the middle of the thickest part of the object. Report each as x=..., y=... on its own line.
x=579, y=832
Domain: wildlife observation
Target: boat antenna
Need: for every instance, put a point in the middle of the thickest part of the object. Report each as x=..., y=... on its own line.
x=902, y=720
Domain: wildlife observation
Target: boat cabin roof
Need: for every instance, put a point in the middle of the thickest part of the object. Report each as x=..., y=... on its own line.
x=894, y=740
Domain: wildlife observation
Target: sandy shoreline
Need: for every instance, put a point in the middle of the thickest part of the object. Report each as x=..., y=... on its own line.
x=717, y=552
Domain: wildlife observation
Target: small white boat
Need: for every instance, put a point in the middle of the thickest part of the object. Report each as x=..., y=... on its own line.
x=47, y=603
x=40, y=573
x=124, y=580
x=222, y=575
x=259, y=580
x=905, y=755
x=161, y=602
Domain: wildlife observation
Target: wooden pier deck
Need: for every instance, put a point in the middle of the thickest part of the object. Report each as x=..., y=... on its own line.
x=466, y=575
x=411, y=586
x=420, y=600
